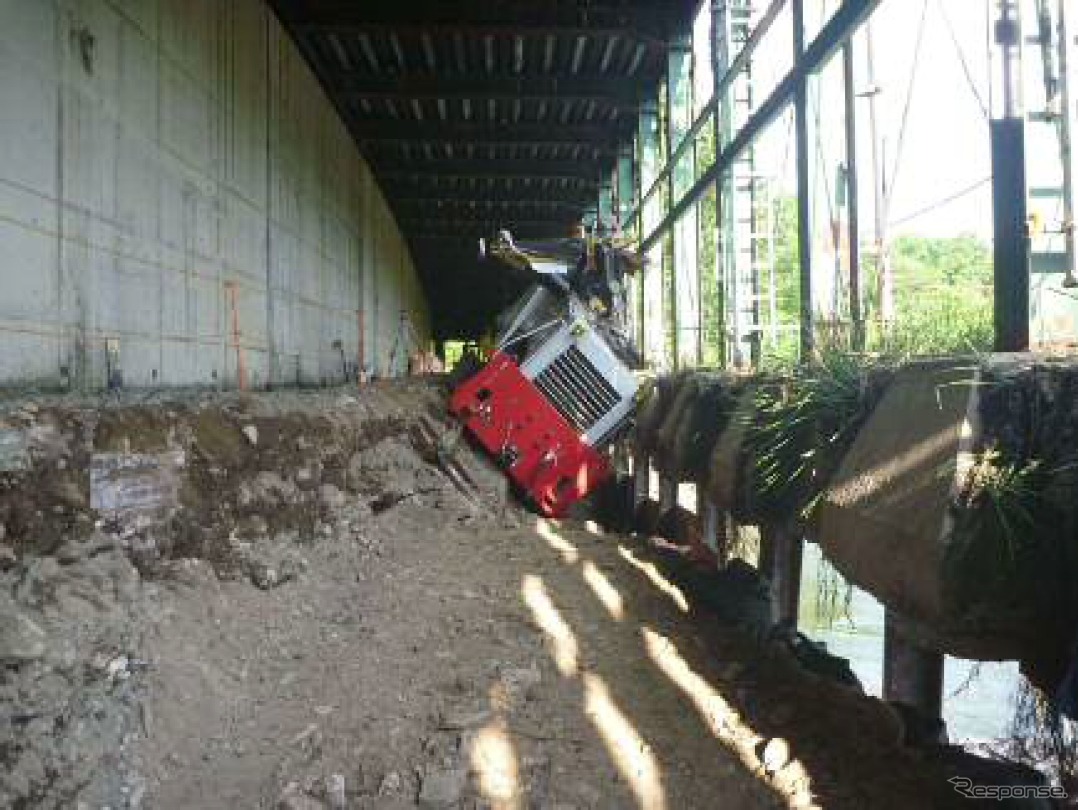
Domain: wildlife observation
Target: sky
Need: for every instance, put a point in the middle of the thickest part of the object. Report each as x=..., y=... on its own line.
x=945, y=149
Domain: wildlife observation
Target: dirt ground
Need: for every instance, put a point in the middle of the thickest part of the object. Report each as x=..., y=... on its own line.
x=443, y=663
x=365, y=636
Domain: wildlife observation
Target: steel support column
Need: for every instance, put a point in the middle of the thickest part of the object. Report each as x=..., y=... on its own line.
x=737, y=205
x=804, y=185
x=829, y=40
x=624, y=203
x=726, y=283
x=1011, y=234
x=626, y=187
x=652, y=338
x=684, y=302
x=605, y=205
x=786, y=550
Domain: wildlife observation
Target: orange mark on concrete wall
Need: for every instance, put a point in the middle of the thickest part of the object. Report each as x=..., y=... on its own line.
x=241, y=363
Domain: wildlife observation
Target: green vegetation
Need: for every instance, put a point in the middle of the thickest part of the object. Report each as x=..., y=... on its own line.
x=801, y=427
x=943, y=292
x=454, y=350
x=930, y=262
x=947, y=323
x=832, y=598
x=943, y=295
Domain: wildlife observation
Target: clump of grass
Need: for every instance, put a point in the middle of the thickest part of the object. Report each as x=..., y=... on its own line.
x=800, y=429
x=1008, y=558
x=1011, y=491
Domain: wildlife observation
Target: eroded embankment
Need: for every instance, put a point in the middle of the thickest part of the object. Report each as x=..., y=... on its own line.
x=195, y=469
x=103, y=504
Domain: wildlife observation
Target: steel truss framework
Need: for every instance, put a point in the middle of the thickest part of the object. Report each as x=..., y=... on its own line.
x=663, y=204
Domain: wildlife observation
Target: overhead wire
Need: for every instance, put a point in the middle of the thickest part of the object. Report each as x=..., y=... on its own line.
x=958, y=195
x=963, y=61
x=906, y=109
x=821, y=158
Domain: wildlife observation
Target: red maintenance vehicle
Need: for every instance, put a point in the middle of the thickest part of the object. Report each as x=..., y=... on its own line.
x=560, y=386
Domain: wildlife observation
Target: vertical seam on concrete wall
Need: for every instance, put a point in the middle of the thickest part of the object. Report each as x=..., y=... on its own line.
x=114, y=214
x=366, y=278
x=218, y=165
x=325, y=215
x=158, y=372
x=360, y=257
x=398, y=282
x=159, y=225
x=270, y=107
x=159, y=230
x=61, y=329
x=377, y=287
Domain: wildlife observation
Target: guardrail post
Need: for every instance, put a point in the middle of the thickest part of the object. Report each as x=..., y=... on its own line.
x=668, y=486
x=765, y=558
x=781, y=551
x=788, y=558
x=641, y=478
x=715, y=529
x=912, y=674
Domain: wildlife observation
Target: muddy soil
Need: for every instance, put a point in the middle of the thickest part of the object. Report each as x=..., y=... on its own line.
x=324, y=619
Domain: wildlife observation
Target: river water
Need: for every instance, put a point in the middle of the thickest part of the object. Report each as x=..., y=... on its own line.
x=978, y=701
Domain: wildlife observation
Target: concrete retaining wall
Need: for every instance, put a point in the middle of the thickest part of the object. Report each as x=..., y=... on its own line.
x=944, y=487
x=154, y=153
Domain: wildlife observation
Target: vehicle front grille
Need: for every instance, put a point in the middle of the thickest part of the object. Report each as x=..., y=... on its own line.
x=577, y=390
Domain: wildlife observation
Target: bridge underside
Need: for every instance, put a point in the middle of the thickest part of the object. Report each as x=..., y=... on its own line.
x=478, y=116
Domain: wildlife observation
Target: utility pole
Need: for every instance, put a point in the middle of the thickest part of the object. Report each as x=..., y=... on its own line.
x=852, y=203
x=1011, y=233
x=885, y=279
x=1009, y=41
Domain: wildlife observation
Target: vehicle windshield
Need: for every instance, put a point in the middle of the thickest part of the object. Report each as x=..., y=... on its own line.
x=523, y=326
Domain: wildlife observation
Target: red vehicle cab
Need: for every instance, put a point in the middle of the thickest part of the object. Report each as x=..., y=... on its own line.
x=557, y=391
